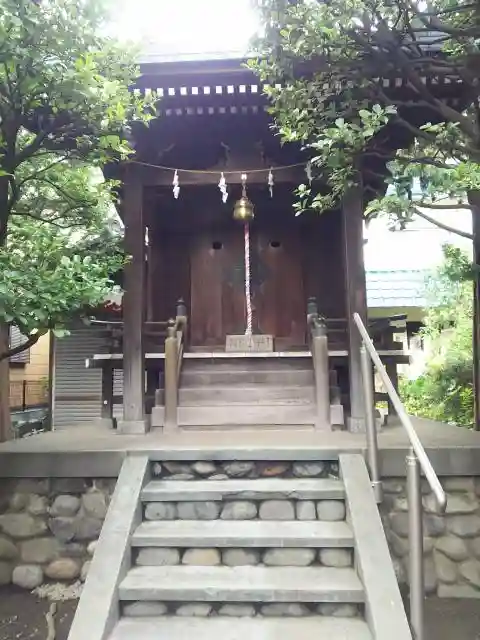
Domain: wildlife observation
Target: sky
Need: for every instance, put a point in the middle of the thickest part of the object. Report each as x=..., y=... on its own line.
x=187, y=26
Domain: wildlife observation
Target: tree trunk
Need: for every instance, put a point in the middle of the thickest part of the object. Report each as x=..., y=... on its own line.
x=5, y=418
x=474, y=200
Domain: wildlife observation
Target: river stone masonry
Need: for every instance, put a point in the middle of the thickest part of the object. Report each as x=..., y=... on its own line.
x=142, y=609
x=451, y=545
x=49, y=527
x=209, y=470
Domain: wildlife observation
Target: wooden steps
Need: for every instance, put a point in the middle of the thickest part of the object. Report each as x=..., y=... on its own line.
x=243, y=390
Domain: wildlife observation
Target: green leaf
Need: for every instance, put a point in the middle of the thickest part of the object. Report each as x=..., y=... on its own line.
x=60, y=333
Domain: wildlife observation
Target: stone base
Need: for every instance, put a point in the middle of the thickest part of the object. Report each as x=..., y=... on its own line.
x=133, y=427
x=356, y=425
x=104, y=423
x=243, y=343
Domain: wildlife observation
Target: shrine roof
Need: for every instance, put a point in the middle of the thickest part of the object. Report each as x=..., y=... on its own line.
x=154, y=56
x=396, y=288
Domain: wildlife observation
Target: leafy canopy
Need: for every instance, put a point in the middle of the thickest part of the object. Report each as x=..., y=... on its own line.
x=48, y=275
x=66, y=108
x=355, y=80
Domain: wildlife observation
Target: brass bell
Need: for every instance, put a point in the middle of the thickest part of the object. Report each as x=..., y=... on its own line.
x=243, y=210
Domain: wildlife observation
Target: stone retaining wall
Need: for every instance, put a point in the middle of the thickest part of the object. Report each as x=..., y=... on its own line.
x=451, y=540
x=49, y=527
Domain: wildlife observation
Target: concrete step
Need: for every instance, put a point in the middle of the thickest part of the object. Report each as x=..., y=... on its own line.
x=225, y=534
x=216, y=376
x=260, y=489
x=241, y=584
x=220, y=628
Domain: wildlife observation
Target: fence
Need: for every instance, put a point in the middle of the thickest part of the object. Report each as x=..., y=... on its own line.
x=26, y=394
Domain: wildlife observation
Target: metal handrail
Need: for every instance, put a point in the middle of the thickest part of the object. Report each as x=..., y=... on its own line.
x=417, y=460
x=405, y=420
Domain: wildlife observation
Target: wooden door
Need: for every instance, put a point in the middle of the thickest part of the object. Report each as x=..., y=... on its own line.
x=218, y=304
x=217, y=294
x=279, y=301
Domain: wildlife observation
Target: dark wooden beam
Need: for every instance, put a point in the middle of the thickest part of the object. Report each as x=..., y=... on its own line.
x=151, y=176
x=107, y=396
x=134, y=420
x=356, y=292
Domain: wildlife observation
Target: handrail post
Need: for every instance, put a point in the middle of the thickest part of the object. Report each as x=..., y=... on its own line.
x=181, y=308
x=321, y=371
x=372, y=441
x=171, y=378
x=415, y=531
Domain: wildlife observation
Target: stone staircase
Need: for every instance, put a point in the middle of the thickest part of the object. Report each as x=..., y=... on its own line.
x=230, y=391
x=242, y=549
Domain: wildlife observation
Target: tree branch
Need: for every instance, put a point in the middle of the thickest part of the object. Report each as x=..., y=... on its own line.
x=31, y=148
x=441, y=225
x=33, y=339
x=444, y=207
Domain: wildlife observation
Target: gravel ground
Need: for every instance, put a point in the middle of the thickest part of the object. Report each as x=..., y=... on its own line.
x=22, y=617
x=453, y=619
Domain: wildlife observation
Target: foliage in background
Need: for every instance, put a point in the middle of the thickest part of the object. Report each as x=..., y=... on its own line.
x=444, y=391
x=326, y=63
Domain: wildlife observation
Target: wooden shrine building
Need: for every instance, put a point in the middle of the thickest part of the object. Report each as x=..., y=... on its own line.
x=185, y=245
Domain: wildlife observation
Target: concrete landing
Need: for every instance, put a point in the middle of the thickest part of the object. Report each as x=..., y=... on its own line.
x=88, y=451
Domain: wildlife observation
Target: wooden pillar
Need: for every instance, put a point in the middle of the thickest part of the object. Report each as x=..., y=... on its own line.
x=134, y=419
x=148, y=280
x=107, y=396
x=356, y=298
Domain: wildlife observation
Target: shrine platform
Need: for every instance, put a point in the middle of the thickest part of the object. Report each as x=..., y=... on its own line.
x=88, y=451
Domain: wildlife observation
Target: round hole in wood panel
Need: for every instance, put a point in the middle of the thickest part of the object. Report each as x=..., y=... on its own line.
x=216, y=245
x=275, y=244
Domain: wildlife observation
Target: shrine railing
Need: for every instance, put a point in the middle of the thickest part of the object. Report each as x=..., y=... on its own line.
x=417, y=461
x=166, y=339
x=174, y=349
